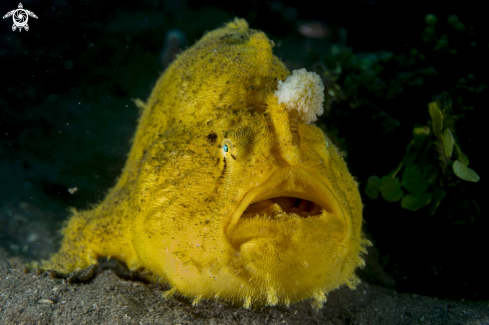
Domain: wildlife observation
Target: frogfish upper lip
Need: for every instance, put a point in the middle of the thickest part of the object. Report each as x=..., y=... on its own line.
x=295, y=191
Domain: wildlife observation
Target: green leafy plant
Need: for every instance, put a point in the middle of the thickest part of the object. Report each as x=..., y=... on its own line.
x=432, y=156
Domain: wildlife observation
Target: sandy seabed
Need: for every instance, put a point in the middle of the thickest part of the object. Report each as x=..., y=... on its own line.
x=113, y=297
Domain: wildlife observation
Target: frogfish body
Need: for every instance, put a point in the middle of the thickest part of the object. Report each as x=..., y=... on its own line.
x=229, y=191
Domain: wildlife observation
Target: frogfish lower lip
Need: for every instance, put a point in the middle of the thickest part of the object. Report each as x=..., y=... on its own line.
x=285, y=196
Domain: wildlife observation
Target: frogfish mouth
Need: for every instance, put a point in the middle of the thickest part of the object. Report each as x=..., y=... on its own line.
x=230, y=190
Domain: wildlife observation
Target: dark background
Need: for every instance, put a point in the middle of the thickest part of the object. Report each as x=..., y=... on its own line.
x=66, y=119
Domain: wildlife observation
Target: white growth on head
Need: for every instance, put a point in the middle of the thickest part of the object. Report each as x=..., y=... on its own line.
x=303, y=91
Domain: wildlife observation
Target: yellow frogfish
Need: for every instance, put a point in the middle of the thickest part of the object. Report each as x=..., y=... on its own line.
x=229, y=191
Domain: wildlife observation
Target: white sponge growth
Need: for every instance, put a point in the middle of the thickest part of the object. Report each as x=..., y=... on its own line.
x=303, y=91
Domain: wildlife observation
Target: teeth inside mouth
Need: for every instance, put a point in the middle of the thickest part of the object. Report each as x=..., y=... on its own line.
x=282, y=207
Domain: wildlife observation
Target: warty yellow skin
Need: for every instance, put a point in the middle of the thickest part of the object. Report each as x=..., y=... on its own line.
x=175, y=213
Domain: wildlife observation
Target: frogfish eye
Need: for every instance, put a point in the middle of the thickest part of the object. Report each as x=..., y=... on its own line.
x=227, y=147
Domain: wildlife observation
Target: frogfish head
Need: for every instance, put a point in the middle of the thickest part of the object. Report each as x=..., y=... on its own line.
x=237, y=195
